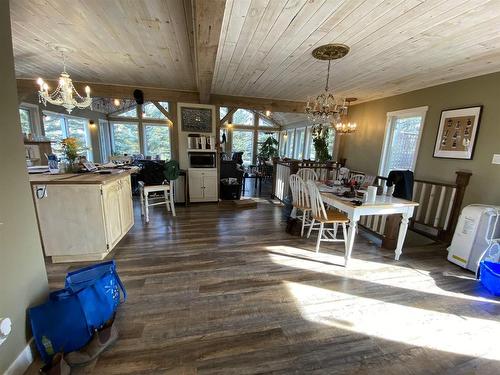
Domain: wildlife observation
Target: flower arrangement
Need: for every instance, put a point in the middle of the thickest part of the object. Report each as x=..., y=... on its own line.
x=70, y=146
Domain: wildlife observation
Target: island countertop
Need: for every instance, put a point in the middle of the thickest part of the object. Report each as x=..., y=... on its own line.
x=90, y=178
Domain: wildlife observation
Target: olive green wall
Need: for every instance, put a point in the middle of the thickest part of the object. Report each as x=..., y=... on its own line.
x=23, y=280
x=363, y=149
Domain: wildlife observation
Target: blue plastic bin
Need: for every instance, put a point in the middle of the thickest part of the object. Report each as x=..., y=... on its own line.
x=490, y=276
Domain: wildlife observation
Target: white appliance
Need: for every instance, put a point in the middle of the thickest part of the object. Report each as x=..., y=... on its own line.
x=478, y=229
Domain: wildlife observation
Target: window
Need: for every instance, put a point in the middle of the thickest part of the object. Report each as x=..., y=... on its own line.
x=262, y=137
x=330, y=141
x=58, y=126
x=243, y=142
x=24, y=117
x=223, y=112
x=290, y=143
x=131, y=112
x=157, y=141
x=265, y=122
x=149, y=110
x=243, y=117
x=125, y=138
x=105, y=140
x=299, y=143
x=402, y=138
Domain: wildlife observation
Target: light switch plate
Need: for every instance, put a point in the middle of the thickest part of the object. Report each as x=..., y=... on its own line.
x=496, y=159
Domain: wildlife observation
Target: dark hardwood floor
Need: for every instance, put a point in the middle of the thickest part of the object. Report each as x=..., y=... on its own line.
x=223, y=291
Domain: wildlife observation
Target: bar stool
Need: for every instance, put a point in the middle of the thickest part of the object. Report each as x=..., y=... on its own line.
x=168, y=193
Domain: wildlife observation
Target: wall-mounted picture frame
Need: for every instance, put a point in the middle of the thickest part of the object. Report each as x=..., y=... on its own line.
x=457, y=133
x=195, y=119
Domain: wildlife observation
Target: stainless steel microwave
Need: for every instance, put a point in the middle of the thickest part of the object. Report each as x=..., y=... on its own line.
x=202, y=159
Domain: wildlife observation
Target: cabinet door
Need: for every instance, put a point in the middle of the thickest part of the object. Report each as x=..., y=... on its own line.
x=210, y=187
x=112, y=214
x=126, y=209
x=196, y=186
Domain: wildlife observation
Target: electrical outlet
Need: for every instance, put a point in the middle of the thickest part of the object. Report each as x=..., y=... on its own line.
x=496, y=159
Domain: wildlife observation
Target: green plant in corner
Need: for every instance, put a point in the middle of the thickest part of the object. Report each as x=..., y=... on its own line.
x=269, y=148
x=320, y=142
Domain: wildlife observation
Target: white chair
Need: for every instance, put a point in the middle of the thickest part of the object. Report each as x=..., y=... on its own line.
x=300, y=201
x=325, y=217
x=168, y=192
x=307, y=174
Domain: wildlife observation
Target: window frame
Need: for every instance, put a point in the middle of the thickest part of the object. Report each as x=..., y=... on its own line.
x=389, y=131
x=34, y=115
x=65, y=133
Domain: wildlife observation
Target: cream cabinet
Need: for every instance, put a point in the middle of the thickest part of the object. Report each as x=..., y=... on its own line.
x=203, y=185
x=83, y=222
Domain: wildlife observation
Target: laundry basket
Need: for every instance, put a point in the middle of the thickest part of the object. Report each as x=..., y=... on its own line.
x=490, y=276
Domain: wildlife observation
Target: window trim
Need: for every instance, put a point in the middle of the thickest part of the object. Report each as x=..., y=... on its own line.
x=391, y=116
x=89, y=151
x=34, y=114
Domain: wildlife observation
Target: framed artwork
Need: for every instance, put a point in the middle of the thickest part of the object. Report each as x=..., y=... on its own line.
x=198, y=120
x=457, y=133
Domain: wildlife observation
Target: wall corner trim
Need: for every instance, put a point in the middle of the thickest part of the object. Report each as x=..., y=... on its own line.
x=23, y=360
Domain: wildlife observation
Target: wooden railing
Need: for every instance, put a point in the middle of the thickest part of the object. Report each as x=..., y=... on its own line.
x=439, y=202
x=283, y=169
x=437, y=213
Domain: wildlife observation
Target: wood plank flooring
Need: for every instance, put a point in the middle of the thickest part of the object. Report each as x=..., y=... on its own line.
x=222, y=291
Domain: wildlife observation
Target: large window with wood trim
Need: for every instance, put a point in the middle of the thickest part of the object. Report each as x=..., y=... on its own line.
x=142, y=131
x=402, y=139
x=58, y=126
x=242, y=141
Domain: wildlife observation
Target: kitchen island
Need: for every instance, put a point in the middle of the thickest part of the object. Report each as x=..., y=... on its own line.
x=82, y=216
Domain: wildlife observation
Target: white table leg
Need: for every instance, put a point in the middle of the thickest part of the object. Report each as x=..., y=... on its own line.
x=403, y=228
x=353, y=225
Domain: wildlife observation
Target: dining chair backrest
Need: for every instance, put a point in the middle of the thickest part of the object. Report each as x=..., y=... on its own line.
x=359, y=178
x=300, y=196
x=307, y=174
x=317, y=206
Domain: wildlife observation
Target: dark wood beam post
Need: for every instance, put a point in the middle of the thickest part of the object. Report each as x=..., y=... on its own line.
x=462, y=181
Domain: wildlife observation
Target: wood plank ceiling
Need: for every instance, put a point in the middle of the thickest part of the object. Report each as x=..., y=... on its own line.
x=265, y=46
x=140, y=42
x=396, y=45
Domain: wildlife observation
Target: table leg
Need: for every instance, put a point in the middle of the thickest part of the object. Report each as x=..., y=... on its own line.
x=403, y=228
x=351, y=233
x=243, y=180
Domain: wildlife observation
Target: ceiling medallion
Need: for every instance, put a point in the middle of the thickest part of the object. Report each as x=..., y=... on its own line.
x=325, y=108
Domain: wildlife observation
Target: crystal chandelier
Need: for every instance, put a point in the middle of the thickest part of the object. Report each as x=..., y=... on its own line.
x=65, y=94
x=325, y=108
x=343, y=126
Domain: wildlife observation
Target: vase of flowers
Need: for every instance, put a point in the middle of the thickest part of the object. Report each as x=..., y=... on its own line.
x=71, y=147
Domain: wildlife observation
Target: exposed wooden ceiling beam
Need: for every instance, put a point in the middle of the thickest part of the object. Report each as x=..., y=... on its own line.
x=208, y=16
x=28, y=87
x=227, y=116
x=258, y=104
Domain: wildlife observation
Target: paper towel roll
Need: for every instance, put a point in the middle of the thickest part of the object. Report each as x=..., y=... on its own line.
x=371, y=193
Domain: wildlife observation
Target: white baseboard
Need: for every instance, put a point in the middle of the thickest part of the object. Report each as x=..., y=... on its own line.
x=23, y=360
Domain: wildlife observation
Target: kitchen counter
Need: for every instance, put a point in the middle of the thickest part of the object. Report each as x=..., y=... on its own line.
x=82, y=216
x=80, y=178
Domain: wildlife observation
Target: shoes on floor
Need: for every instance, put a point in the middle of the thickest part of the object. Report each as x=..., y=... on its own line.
x=57, y=366
x=101, y=340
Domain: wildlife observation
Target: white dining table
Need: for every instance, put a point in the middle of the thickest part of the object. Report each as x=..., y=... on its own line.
x=383, y=205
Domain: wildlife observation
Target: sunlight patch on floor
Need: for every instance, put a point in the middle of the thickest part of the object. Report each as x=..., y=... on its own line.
x=404, y=324
x=389, y=275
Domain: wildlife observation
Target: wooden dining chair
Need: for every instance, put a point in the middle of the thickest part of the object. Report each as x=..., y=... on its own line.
x=358, y=178
x=307, y=174
x=321, y=215
x=300, y=200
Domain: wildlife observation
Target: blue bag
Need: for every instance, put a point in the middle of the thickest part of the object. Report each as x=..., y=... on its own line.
x=98, y=290
x=59, y=325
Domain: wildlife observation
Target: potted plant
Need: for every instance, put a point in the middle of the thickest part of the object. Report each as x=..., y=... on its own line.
x=269, y=148
x=320, y=142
